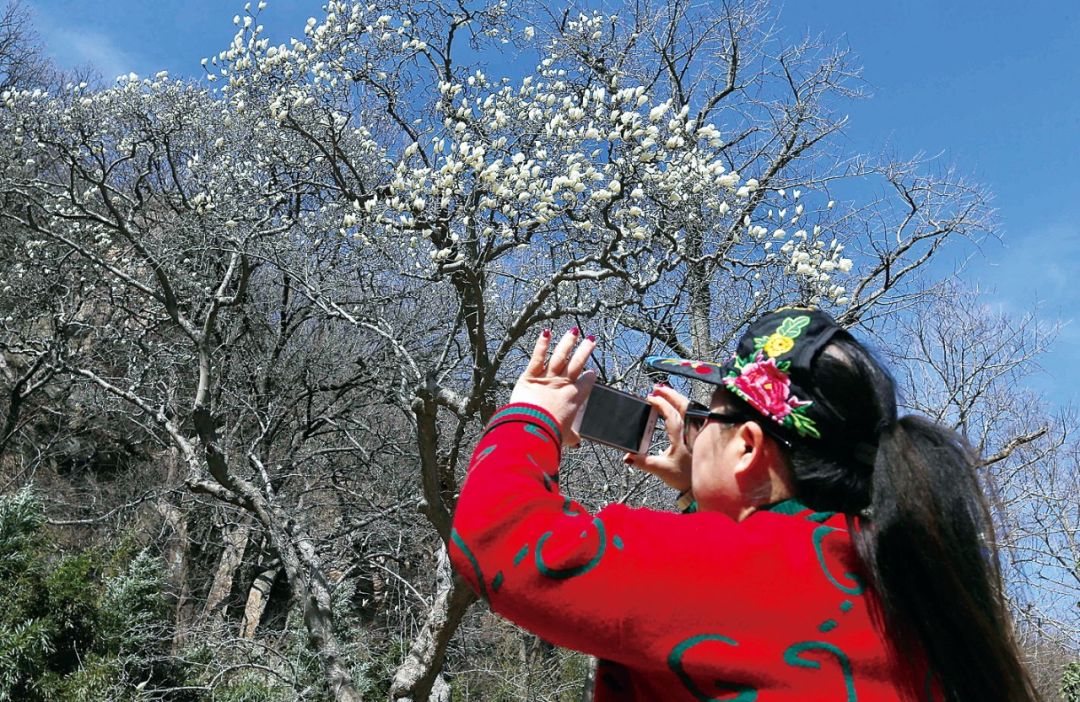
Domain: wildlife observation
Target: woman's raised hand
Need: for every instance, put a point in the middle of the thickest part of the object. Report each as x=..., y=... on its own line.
x=673, y=464
x=558, y=384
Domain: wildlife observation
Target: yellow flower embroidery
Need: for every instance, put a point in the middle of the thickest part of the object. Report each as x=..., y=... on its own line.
x=778, y=344
x=783, y=339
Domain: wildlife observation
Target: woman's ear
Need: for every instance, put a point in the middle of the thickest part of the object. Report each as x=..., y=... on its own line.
x=759, y=470
x=751, y=447
x=752, y=473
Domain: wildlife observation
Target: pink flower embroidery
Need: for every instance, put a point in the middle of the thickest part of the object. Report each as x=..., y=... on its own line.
x=766, y=387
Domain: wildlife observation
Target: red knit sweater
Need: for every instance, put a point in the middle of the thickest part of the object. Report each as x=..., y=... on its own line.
x=678, y=607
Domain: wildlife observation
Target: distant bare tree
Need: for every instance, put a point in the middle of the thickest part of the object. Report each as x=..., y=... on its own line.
x=22, y=62
x=967, y=366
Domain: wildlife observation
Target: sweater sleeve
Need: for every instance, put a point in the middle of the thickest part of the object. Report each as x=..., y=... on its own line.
x=613, y=584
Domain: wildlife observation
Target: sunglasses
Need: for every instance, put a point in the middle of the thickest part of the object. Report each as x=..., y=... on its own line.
x=697, y=415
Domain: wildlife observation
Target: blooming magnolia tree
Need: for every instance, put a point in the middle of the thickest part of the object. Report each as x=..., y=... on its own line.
x=311, y=281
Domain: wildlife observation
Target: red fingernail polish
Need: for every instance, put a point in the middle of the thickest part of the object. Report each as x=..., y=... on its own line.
x=591, y=337
x=575, y=331
x=546, y=333
x=652, y=393
x=628, y=461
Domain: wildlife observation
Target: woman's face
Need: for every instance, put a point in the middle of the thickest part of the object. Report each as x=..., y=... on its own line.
x=736, y=467
x=717, y=449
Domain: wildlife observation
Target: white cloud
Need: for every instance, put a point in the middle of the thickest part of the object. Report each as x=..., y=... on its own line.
x=1039, y=264
x=1038, y=269
x=99, y=51
x=78, y=47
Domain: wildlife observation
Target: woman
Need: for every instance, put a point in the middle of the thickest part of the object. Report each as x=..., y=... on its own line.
x=835, y=551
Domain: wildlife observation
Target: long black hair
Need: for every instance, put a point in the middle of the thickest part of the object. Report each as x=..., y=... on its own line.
x=923, y=528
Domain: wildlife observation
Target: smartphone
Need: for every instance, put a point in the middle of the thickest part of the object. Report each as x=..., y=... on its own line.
x=617, y=419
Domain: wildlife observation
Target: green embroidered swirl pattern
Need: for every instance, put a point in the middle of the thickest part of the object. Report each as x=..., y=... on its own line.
x=564, y=573
x=819, y=534
x=456, y=538
x=537, y=432
x=792, y=657
x=743, y=693
x=484, y=454
x=568, y=508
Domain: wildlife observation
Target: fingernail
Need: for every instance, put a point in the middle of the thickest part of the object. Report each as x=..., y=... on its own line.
x=546, y=333
x=575, y=331
x=591, y=337
x=653, y=393
x=628, y=461
x=662, y=384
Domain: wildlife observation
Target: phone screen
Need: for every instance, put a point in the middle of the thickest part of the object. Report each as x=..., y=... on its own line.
x=617, y=419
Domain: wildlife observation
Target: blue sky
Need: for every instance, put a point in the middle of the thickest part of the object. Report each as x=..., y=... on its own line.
x=992, y=87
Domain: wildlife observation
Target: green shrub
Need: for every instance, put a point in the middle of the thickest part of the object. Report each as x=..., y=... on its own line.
x=69, y=632
x=1070, y=683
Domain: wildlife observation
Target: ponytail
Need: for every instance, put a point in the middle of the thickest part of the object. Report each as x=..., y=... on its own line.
x=929, y=552
x=925, y=535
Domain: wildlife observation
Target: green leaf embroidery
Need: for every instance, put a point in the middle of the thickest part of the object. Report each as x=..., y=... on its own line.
x=803, y=424
x=793, y=326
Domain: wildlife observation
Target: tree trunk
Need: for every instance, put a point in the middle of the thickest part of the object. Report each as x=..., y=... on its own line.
x=231, y=556
x=288, y=540
x=700, y=310
x=589, y=690
x=440, y=691
x=535, y=656
x=176, y=555
x=257, y=599
x=418, y=679
x=176, y=570
x=318, y=617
